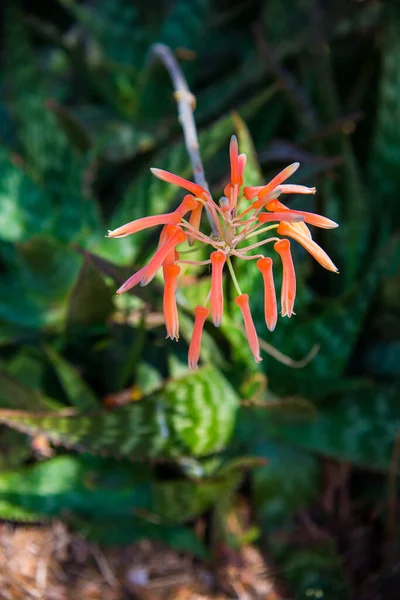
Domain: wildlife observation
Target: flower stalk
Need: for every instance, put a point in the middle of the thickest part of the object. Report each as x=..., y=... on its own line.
x=233, y=222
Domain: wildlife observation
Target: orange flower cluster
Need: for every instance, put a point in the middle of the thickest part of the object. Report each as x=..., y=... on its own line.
x=235, y=227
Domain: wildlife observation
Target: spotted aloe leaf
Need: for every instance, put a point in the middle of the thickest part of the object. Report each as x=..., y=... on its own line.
x=75, y=486
x=193, y=415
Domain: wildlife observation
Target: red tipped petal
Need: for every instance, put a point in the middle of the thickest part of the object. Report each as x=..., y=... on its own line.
x=194, y=188
x=243, y=303
x=201, y=314
x=270, y=308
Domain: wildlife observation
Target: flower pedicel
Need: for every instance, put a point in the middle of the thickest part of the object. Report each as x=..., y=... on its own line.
x=235, y=227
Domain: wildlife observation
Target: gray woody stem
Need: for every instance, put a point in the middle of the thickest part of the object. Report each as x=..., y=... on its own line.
x=186, y=104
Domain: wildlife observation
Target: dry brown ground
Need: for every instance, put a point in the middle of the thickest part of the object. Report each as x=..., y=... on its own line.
x=48, y=562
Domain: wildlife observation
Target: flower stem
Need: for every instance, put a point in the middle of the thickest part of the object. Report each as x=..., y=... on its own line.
x=186, y=104
x=234, y=279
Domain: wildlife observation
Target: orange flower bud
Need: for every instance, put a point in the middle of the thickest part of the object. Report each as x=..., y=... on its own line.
x=171, y=273
x=201, y=314
x=218, y=259
x=233, y=155
x=243, y=303
x=311, y=246
x=288, y=291
x=144, y=223
x=262, y=191
x=270, y=309
x=280, y=178
x=194, y=188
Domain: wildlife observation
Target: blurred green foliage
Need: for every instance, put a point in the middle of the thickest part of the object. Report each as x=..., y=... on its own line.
x=141, y=442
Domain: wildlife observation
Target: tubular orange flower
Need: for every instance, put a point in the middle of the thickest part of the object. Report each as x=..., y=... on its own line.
x=178, y=237
x=270, y=309
x=194, y=188
x=218, y=259
x=288, y=292
x=171, y=273
x=173, y=218
x=144, y=223
x=310, y=218
x=243, y=303
x=311, y=246
x=251, y=192
x=277, y=180
x=201, y=314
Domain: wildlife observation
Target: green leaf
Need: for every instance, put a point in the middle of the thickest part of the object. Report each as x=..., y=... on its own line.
x=118, y=141
x=286, y=484
x=25, y=207
x=15, y=449
x=76, y=389
x=313, y=570
x=115, y=25
x=129, y=530
x=27, y=368
x=384, y=166
x=43, y=143
x=74, y=130
x=35, y=292
x=90, y=302
x=190, y=416
x=185, y=24
x=359, y=427
x=15, y=395
x=180, y=501
x=74, y=487
x=336, y=330
x=116, y=28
